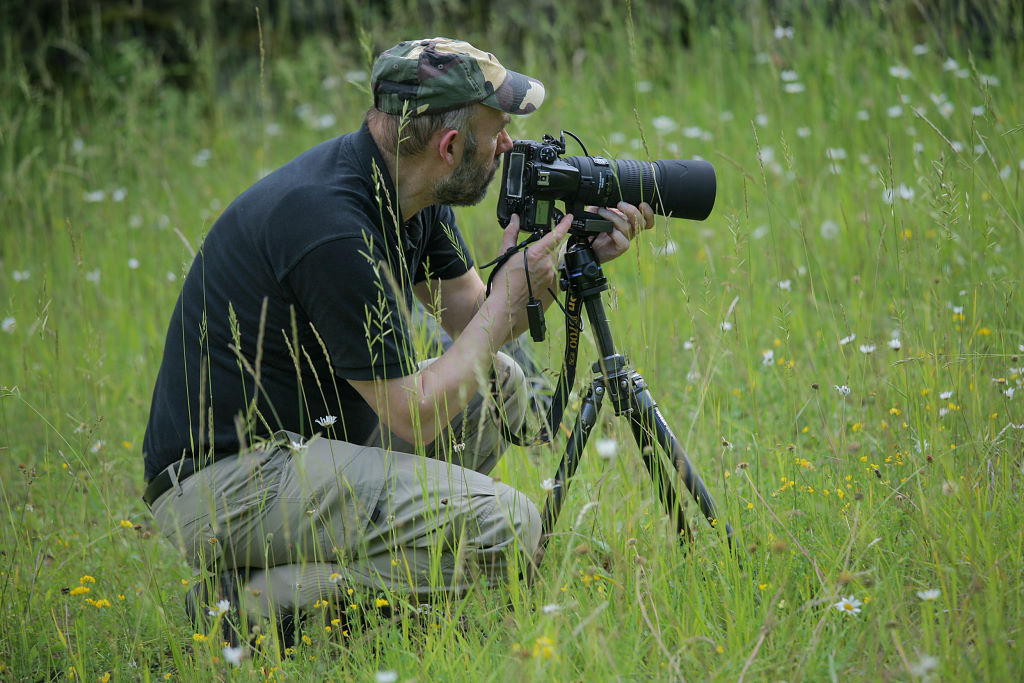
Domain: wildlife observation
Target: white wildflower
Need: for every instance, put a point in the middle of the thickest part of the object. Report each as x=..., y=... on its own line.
x=895, y=344
x=386, y=676
x=551, y=608
x=847, y=339
x=548, y=485
x=900, y=71
x=8, y=324
x=220, y=608
x=829, y=229
x=133, y=263
x=326, y=420
x=867, y=348
x=786, y=285
x=842, y=389
x=767, y=357
x=664, y=124
x=201, y=157
x=606, y=448
x=929, y=594
x=849, y=605
x=233, y=655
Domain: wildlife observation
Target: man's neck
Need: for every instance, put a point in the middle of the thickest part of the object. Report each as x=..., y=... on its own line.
x=412, y=178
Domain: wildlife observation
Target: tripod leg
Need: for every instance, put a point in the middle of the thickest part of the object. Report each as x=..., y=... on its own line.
x=585, y=422
x=650, y=425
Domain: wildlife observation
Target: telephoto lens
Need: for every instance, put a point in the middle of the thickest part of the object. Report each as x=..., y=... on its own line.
x=680, y=188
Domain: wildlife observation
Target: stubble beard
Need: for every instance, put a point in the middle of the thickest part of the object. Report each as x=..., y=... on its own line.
x=467, y=184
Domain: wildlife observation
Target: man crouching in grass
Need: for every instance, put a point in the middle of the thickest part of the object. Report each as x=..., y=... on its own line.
x=296, y=447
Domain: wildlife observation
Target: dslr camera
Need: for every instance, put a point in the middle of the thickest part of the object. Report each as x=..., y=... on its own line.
x=536, y=174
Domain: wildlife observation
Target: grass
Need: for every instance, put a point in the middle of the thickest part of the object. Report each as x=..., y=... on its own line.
x=858, y=204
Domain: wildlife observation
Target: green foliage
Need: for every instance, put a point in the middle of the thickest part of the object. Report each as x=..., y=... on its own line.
x=867, y=235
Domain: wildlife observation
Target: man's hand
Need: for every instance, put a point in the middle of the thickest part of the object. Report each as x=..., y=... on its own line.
x=511, y=288
x=627, y=221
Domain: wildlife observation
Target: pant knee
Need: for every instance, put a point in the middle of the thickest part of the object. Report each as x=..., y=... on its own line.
x=524, y=524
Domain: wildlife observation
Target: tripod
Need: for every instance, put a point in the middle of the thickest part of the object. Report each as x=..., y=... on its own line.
x=584, y=281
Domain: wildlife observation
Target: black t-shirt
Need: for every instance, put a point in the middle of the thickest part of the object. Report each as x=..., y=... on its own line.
x=303, y=282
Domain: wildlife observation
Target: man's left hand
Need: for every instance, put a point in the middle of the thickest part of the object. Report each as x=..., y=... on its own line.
x=627, y=221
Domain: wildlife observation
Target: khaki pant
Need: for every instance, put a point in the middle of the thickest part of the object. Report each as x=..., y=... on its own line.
x=306, y=522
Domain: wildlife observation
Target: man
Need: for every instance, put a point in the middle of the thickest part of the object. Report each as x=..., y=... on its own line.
x=290, y=417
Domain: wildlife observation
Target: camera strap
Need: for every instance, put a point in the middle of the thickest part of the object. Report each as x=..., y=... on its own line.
x=566, y=380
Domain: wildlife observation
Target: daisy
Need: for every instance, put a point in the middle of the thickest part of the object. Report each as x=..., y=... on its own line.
x=842, y=389
x=326, y=420
x=929, y=595
x=850, y=605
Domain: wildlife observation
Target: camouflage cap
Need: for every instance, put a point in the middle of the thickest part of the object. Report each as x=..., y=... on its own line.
x=441, y=74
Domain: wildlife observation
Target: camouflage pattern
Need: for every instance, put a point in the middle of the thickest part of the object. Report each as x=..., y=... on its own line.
x=441, y=74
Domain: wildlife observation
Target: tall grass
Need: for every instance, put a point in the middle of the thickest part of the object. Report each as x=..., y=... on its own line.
x=838, y=347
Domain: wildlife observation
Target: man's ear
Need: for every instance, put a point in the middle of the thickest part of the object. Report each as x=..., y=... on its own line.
x=446, y=146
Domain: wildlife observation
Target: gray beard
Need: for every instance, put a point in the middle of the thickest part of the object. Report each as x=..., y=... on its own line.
x=467, y=185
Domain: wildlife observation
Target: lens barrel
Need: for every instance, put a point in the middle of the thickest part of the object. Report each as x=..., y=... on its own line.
x=680, y=188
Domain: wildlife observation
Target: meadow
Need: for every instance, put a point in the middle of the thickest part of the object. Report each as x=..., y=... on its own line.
x=839, y=347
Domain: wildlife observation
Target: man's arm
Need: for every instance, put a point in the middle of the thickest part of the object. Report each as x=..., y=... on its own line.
x=422, y=404
x=453, y=302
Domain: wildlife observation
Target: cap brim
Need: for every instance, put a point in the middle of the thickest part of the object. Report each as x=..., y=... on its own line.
x=518, y=94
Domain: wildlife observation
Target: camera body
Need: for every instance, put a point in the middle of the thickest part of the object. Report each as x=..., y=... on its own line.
x=536, y=174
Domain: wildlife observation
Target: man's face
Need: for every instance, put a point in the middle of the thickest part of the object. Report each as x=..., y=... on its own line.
x=485, y=142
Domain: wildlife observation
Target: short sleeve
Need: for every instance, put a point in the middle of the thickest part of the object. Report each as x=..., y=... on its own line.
x=446, y=255
x=348, y=292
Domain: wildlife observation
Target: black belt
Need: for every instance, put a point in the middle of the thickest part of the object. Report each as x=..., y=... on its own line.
x=161, y=483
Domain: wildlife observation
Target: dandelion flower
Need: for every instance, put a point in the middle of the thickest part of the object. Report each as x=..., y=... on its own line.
x=929, y=594
x=849, y=605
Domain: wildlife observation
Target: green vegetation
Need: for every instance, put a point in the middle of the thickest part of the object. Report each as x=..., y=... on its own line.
x=839, y=347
